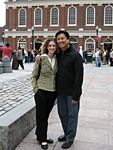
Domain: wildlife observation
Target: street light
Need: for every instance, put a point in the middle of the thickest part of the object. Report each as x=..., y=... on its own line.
x=32, y=29
x=3, y=38
x=97, y=36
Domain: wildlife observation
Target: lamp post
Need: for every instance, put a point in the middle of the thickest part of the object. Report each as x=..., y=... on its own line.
x=97, y=36
x=3, y=38
x=32, y=29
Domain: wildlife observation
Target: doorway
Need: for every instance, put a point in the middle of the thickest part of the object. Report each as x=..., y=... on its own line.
x=38, y=44
x=108, y=44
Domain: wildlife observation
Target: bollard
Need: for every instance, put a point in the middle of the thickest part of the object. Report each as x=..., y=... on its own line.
x=6, y=64
x=1, y=68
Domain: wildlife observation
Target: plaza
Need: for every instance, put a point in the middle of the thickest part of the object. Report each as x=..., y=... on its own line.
x=95, y=126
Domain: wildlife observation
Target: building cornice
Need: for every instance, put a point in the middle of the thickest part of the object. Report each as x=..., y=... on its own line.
x=47, y=3
x=74, y=33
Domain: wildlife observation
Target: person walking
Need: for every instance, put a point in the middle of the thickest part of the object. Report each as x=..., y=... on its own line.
x=7, y=51
x=68, y=86
x=19, y=57
x=97, y=56
x=45, y=89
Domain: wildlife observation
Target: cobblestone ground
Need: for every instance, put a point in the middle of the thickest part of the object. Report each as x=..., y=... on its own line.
x=14, y=92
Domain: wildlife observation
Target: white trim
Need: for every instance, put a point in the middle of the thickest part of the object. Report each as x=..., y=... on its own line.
x=58, y=2
x=88, y=39
x=41, y=17
x=94, y=16
x=104, y=16
x=19, y=18
x=75, y=17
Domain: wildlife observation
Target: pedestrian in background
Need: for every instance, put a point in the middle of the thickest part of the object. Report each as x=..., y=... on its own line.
x=85, y=56
x=45, y=89
x=99, y=59
x=107, y=57
x=7, y=51
x=111, y=57
x=15, y=61
x=19, y=57
x=97, y=56
x=104, y=57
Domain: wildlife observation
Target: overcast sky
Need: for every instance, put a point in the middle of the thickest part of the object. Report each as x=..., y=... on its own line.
x=2, y=13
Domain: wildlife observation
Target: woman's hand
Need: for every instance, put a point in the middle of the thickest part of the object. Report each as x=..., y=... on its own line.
x=38, y=59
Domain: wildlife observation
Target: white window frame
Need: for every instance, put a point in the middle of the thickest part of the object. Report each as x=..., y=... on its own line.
x=104, y=15
x=51, y=17
x=19, y=18
x=22, y=42
x=75, y=17
x=92, y=40
x=94, y=16
x=41, y=17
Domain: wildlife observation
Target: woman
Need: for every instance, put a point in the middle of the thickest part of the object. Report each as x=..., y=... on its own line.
x=44, y=89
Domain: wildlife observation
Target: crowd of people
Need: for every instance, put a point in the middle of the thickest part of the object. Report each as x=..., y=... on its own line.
x=103, y=57
x=19, y=56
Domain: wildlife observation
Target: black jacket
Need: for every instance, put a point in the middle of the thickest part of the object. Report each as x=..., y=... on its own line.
x=70, y=73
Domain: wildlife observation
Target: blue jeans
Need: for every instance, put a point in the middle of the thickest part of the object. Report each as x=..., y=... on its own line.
x=68, y=114
x=97, y=64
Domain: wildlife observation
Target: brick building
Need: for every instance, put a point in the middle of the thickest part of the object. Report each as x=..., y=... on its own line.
x=29, y=22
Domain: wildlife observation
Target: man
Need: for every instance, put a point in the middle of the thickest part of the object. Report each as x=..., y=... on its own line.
x=69, y=87
x=19, y=57
x=6, y=51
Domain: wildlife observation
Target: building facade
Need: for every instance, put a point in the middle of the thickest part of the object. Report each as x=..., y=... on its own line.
x=89, y=22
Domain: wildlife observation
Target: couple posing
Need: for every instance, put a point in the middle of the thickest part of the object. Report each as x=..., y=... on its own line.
x=61, y=77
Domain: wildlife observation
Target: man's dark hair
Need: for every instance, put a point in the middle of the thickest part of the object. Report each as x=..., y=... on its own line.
x=62, y=32
x=7, y=44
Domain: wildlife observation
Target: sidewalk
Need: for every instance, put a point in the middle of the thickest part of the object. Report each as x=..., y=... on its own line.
x=95, y=126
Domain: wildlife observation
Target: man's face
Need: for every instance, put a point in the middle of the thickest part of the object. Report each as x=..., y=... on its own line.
x=62, y=41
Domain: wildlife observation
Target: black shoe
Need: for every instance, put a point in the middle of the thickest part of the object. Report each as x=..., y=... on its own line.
x=67, y=144
x=44, y=145
x=50, y=141
x=62, y=138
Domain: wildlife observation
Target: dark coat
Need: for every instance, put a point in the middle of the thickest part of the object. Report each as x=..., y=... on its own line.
x=15, y=63
x=70, y=73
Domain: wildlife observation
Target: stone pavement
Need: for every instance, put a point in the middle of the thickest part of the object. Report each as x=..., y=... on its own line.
x=15, y=88
x=95, y=126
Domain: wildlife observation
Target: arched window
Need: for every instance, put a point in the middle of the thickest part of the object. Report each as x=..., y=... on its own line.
x=109, y=15
x=54, y=17
x=90, y=13
x=22, y=17
x=89, y=44
x=72, y=16
x=74, y=42
x=38, y=17
x=22, y=43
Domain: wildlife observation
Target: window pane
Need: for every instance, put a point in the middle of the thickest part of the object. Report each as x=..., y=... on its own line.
x=38, y=17
x=90, y=15
x=22, y=17
x=108, y=15
x=90, y=45
x=54, y=17
x=72, y=15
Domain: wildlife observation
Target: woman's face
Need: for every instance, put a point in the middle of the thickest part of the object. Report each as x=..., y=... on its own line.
x=51, y=47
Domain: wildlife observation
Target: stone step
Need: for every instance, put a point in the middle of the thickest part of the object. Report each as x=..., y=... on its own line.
x=16, y=124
